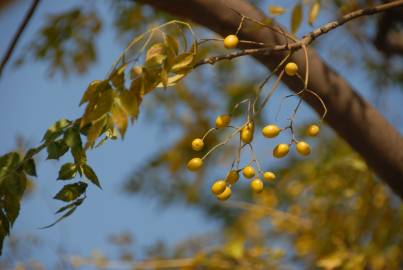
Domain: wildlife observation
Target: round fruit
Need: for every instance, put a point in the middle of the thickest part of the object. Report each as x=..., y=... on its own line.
x=269, y=176
x=313, y=130
x=231, y=41
x=271, y=131
x=232, y=177
x=247, y=132
x=303, y=148
x=225, y=194
x=222, y=121
x=248, y=172
x=195, y=164
x=281, y=150
x=257, y=185
x=197, y=144
x=291, y=69
x=218, y=187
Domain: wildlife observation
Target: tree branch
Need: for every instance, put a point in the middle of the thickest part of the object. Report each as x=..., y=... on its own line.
x=354, y=119
x=18, y=34
x=308, y=38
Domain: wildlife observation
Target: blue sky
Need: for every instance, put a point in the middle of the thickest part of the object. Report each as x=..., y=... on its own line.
x=30, y=101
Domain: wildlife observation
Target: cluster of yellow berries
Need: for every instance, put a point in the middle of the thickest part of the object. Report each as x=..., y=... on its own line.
x=222, y=187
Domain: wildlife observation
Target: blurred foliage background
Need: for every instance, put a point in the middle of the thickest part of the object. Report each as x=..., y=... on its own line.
x=328, y=211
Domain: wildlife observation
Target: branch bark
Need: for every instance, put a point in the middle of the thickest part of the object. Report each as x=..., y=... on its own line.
x=18, y=34
x=353, y=118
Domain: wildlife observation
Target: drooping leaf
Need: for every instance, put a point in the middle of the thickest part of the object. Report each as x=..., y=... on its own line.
x=296, y=17
x=15, y=183
x=71, y=192
x=67, y=171
x=56, y=149
x=276, y=10
x=72, y=137
x=68, y=213
x=130, y=103
x=173, y=80
x=314, y=12
x=76, y=203
x=118, y=76
x=90, y=174
x=56, y=130
x=29, y=167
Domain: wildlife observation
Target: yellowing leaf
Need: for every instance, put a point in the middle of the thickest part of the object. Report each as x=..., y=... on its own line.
x=276, y=10
x=173, y=80
x=130, y=103
x=296, y=17
x=172, y=43
x=89, y=93
x=120, y=118
x=332, y=261
x=118, y=76
x=313, y=12
x=95, y=130
x=97, y=107
x=183, y=63
x=156, y=55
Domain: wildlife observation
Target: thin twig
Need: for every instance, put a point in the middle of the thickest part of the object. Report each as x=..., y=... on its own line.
x=18, y=34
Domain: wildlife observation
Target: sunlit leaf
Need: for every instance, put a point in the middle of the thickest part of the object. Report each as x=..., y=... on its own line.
x=296, y=17
x=96, y=129
x=183, y=63
x=98, y=106
x=120, y=118
x=156, y=55
x=90, y=92
x=172, y=43
x=118, y=76
x=130, y=103
x=8, y=162
x=173, y=80
x=276, y=10
x=314, y=12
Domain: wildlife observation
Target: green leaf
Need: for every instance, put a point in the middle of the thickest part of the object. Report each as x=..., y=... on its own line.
x=90, y=174
x=67, y=171
x=72, y=137
x=76, y=203
x=29, y=167
x=8, y=162
x=183, y=63
x=12, y=207
x=68, y=213
x=56, y=149
x=56, y=130
x=296, y=17
x=4, y=225
x=71, y=192
x=15, y=183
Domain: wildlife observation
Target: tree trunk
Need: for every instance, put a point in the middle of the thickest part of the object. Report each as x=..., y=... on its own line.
x=354, y=119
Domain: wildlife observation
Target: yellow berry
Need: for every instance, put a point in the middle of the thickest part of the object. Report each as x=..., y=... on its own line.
x=247, y=132
x=218, y=187
x=222, y=121
x=303, y=148
x=313, y=130
x=291, y=69
x=248, y=172
x=231, y=41
x=232, y=177
x=225, y=194
x=257, y=185
x=269, y=176
x=195, y=164
x=281, y=150
x=271, y=131
x=197, y=144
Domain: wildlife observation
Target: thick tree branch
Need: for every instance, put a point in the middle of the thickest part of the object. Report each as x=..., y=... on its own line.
x=354, y=119
x=18, y=34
